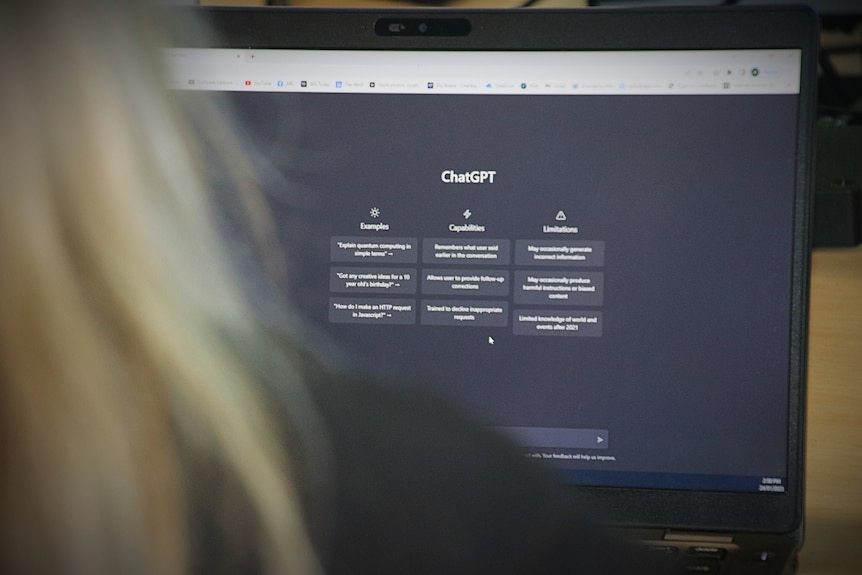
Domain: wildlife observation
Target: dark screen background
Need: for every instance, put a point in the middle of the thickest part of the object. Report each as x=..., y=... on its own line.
x=692, y=196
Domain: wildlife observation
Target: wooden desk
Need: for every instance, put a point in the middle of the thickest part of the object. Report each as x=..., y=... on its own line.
x=833, y=543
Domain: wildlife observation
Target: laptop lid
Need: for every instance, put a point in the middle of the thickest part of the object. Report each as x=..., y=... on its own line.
x=590, y=228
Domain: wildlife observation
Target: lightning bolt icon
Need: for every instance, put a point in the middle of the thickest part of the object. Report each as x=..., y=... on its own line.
x=467, y=213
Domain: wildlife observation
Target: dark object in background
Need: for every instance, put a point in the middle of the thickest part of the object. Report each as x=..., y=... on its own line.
x=838, y=186
x=838, y=177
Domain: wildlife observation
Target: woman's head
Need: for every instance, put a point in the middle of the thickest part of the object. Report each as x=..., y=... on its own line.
x=118, y=382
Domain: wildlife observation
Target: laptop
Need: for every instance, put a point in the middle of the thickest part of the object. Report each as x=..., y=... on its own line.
x=589, y=228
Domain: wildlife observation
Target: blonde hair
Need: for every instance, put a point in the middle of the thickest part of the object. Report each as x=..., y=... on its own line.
x=115, y=302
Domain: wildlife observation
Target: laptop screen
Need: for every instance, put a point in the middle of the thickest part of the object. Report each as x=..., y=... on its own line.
x=591, y=250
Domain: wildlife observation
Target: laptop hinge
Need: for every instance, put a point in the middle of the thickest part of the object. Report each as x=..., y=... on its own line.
x=692, y=536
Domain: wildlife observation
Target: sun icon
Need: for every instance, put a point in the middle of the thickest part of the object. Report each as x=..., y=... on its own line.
x=374, y=212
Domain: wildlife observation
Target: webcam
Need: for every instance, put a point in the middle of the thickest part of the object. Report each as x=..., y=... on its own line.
x=422, y=27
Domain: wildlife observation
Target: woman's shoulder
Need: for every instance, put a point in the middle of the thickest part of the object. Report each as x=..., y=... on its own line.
x=422, y=487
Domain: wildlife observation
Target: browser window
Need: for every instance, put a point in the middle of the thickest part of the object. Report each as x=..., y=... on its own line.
x=571, y=245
